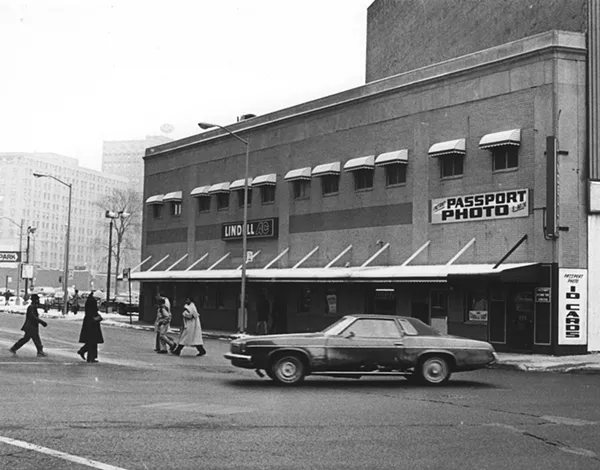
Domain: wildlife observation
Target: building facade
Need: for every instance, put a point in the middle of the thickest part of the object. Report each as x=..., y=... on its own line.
x=455, y=193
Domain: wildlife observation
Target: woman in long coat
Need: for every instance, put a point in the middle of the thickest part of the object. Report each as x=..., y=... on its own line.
x=191, y=331
x=91, y=333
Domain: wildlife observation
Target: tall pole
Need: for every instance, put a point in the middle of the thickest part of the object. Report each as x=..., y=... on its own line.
x=20, y=262
x=242, y=316
x=109, y=257
x=66, y=273
x=26, y=295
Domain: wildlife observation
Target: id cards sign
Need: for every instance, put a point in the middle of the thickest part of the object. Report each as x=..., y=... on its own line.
x=483, y=206
x=572, y=306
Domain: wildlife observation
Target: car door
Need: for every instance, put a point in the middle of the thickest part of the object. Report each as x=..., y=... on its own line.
x=365, y=344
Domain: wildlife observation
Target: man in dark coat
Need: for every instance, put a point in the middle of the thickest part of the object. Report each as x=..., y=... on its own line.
x=91, y=333
x=31, y=328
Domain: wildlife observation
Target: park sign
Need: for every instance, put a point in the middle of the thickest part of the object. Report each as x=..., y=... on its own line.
x=261, y=228
x=10, y=257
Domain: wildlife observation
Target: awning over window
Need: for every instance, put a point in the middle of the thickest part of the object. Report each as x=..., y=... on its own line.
x=497, y=139
x=299, y=174
x=239, y=184
x=219, y=188
x=157, y=199
x=200, y=191
x=327, y=169
x=174, y=196
x=360, y=163
x=265, y=180
x=390, y=158
x=451, y=147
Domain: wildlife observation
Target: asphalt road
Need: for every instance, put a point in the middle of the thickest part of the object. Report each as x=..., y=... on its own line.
x=140, y=410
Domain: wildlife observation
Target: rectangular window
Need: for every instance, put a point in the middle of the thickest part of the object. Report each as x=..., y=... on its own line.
x=477, y=306
x=439, y=303
x=452, y=165
x=301, y=189
x=330, y=184
x=176, y=208
x=156, y=211
x=222, y=201
x=267, y=194
x=241, y=197
x=505, y=157
x=304, y=300
x=203, y=204
x=395, y=174
x=363, y=179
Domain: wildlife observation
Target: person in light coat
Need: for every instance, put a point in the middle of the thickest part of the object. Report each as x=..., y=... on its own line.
x=191, y=331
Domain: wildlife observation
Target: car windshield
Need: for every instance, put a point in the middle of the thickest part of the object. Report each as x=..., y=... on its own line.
x=337, y=327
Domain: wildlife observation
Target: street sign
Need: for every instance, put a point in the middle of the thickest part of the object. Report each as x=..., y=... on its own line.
x=27, y=271
x=10, y=257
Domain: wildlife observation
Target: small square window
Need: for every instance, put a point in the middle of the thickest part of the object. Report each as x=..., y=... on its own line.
x=241, y=197
x=301, y=189
x=157, y=211
x=222, y=201
x=505, y=157
x=267, y=194
x=452, y=165
x=203, y=204
x=330, y=184
x=176, y=208
x=395, y=174
x=363, y=179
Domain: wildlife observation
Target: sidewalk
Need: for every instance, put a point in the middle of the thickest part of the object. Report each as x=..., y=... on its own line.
x=587, y=363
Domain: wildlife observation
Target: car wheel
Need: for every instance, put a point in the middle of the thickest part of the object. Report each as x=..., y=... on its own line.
x=434, y=370
x=122, y=309
x=287, y=370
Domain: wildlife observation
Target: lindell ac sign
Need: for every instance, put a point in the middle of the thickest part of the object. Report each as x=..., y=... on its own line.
x=484, y=206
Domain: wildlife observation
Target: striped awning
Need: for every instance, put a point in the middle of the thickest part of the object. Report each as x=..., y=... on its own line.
x=326, y=169
x=497, y=139
x=200, y=191
x=157, y=199
x=265, y=180
x=450, y=147
x=360, y=163
x=299, y=174
x=219, y=188
x=175, y=196
x=239, y=184
x=391, y=158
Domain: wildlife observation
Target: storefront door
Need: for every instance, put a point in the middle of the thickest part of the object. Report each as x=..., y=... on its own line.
x=520, y=319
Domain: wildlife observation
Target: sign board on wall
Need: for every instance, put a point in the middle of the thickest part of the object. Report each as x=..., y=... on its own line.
x=484, y=206
x=572, y=306
x=263, y=228
x=10, y=257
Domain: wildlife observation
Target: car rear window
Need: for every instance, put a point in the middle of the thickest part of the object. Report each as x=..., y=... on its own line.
x=414, y=326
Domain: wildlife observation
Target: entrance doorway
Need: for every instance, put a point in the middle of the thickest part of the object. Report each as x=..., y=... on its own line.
x=520, y=319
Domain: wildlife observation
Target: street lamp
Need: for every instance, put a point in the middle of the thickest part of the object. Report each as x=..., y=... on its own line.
x=66, y=273
x=20, y=254
x=112, y=215
x=30, y=231
x=242, y=314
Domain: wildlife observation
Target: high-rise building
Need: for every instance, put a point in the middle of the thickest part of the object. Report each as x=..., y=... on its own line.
x=125, y=157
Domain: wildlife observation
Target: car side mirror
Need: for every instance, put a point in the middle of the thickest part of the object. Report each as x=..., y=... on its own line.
x=350, y=335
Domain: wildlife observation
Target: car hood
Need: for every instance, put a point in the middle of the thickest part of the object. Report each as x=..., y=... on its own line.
x=278, y=338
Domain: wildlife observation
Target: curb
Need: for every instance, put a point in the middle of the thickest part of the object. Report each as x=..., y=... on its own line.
x=578, y=368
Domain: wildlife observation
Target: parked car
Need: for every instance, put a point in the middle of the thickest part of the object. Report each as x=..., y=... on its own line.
x=361, y=345
x=121, y=304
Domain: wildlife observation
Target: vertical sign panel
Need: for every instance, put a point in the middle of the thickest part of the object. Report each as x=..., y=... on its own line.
x=572, y=306
x=551, y=187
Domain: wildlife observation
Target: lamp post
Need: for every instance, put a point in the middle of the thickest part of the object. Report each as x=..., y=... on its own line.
x=68, y=236
x=242, y=314
x=112, y=215
x=20, y=254
x=30, y=230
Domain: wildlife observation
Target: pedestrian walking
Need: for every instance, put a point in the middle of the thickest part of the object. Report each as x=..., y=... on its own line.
x=162, y=324
x=75, y=304
x=91, y=333
x=191, y=330
x=31, y=327
x=6, y=297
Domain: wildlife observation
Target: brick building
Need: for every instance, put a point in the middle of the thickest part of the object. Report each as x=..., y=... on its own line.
x=430, y=193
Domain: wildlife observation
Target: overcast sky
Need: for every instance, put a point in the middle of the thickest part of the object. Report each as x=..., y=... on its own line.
x=77, y=72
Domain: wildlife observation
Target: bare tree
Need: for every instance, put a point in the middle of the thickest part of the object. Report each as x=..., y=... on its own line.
x=126, y=238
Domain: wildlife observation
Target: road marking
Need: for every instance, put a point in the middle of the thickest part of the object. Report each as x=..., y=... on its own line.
x=59, y=454
x=568, y=421
x=204, y=408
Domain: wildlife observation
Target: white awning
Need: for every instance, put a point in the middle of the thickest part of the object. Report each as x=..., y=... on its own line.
x=157, y=199
x=299, y=174
x=422, y=273
x=219, y=188
x=200, y=191
x=497, y=139
x=451, y=147
x=239, y=184
x=327, y=169
x=360, y=163
x=174, y=196
x=390, y=158
x=265, y=180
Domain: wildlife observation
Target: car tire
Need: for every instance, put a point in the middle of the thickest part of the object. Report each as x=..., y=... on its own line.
x=122, y=309
x=287, y=370
x=434, y=370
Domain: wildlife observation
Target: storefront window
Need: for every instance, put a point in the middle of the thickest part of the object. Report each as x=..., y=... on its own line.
x=439, y=304
x=331, y=302
x=477, y=306
x=384, y=301
x=304, y=301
